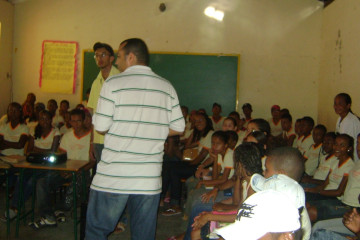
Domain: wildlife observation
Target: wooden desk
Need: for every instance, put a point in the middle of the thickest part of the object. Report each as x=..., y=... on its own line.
x=72, y=166
x=5, y=167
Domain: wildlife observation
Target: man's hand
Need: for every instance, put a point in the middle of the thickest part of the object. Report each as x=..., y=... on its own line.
x=351, y=220
x=200, y=220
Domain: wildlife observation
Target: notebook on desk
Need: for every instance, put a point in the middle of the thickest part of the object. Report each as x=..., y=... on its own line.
x=13, y=159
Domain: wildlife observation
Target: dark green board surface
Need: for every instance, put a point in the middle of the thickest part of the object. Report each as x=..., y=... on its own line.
x=199, y=80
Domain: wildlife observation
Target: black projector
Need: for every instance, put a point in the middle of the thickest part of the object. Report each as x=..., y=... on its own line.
x=47, y=158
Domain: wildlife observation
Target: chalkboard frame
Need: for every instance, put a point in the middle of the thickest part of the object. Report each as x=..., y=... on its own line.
x=232, y=92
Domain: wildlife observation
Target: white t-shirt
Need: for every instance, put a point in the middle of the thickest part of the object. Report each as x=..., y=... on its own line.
x=13, y=135
x=338, y=172
x=351, y=126
x=76, y=148
x=217, y=125
x=313, y=156
x=305, y=144
x=137, y=108
x=324, y=167
x=276, y=129
x=64, y=129
x=227, y=162
x=57, y=119
x=352, y=189
x=205, y=142
x=47, y=141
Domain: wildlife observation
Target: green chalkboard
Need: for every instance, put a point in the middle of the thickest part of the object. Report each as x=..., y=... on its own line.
x=199, y=79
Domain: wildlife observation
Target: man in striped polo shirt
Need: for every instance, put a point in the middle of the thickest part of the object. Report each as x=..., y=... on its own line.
x=136, y=111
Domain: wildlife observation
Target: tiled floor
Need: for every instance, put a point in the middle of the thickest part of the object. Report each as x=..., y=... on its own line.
x=167, y=226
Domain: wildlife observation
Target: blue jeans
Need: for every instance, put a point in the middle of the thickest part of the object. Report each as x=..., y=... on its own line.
x=323, y=234
x=105, y=209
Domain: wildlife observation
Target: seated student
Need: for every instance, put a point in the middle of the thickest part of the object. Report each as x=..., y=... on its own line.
x=260, y=138
x=247, y=110
x=305, y=142
x=222, y=169
x=64, y=107
x=32, y=121
x=276, y=218
x=298, y=132
x=76, y=144
x=350, y=199
x=172, y=154
x=325, y=196
x=229, y=124
x=288, y=134
x=57, y=120
x=216, y=118
x=43, y=139
x=189, y=127
x=232, y=139
x=275, y=121
x=67, y=126
x=247, y=162
x=13, y=134
x=314, y=153
x=28, y=105
x=284, y=169
x=239, y=125
x=201, y=139
x=326, y=161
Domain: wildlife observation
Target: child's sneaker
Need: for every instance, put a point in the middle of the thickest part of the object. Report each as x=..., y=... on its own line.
x=172, y=211
x=42, y=222
x=60, y=216
x=12, y=215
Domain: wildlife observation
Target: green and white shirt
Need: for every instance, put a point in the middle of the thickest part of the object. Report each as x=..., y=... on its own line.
x=137, y=108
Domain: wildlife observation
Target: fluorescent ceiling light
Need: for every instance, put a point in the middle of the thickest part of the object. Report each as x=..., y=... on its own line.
x=213, y=13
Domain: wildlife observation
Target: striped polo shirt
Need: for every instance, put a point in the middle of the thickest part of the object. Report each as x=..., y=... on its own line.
x=137, y=108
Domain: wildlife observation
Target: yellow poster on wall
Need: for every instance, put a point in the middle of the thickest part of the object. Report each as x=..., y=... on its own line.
x=58, y=66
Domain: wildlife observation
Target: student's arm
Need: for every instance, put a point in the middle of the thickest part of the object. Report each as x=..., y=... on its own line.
x=351, y=220
x=174, y=133
x=55, y=143
x=189, y=143
x=220, y=180
x=336, y=192
x=290, y=140
x=309, y=179
x=206, y=197
x=319, y=188
x=200, y=157
x=17, y=145
x=205, y=217
x=30, y=146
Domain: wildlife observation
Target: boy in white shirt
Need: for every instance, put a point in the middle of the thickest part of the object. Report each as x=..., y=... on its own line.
x=315, y=153
x=305, y=142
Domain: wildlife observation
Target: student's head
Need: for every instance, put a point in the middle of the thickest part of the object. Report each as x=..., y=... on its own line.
x=284, y=111
x=328, y=142
x=202, y=125
x=219, y=142
x=247, y=159
x=265, y=215
x=77, y=118
x=247, y=110
x=229, y=124
x=343, y=147
x=31, y=98
x=14, y=113
x=240, y=121
x=258, y=124
x=275, y=111
x=202, y=110
x=307, y=124
x=285, y=160
x=103, y=55
x=132, y=52
x=185, y=111
x=233, y=138
x=286, y=122
x=52, y=106
x=216, y=109
x=342, y=104
x=319, y=133
x=64, y=106
x=256, y=137
x=298, y=129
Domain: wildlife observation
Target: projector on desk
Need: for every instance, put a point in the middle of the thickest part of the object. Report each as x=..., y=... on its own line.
x=47, y=158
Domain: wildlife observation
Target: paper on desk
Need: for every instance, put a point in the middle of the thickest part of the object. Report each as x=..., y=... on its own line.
x=13, y=158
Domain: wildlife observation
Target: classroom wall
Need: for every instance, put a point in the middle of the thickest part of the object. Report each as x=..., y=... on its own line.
x=340, y=58
x=6, y=41
x=279, y=41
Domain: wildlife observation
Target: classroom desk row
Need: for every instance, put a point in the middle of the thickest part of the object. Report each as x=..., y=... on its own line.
x=72, y=166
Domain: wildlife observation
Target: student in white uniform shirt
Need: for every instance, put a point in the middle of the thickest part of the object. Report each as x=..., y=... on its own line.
x=314, y=154
x=57, y=120
x=247, y=110
x=275, y=121
x=288, y=134
x=216, y=118
x=305, y=142
x=347, y=122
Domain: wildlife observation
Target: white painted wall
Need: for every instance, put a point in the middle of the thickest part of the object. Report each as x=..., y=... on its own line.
x=6, y=41
x=340, y=58
x=279, y=41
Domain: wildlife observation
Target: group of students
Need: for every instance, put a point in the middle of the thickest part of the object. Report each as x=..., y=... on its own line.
x=238, y=156
x=30, y=128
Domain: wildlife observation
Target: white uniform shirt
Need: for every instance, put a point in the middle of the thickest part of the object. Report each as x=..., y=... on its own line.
x=47, y=141
x=13, y=135
x=352, y=189
x=313, y=156
x=338, y=172
x=324, y=167
x=305, y=143
x=76, y=148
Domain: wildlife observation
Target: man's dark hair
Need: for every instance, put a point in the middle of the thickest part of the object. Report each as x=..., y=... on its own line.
x=104, y=45
x=289, y=160
x=216, y=105
x=249, y=156
x=321, y=127
x=66, y=102
x=235, y=113
x=79, y=112
x=309, y=120
x=138, y=48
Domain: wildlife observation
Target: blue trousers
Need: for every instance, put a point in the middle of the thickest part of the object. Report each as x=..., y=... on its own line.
x=105, y=209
